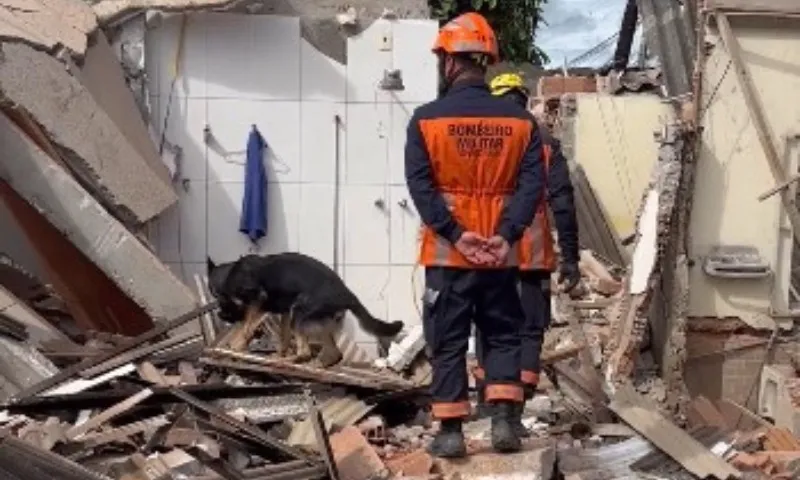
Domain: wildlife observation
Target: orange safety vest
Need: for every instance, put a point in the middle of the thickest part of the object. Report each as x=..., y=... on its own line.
x=475, y=162
x=536, y=247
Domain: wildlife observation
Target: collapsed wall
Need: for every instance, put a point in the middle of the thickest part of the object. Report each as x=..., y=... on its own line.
x=38, y=87
x=69, y=207
x=656, y=290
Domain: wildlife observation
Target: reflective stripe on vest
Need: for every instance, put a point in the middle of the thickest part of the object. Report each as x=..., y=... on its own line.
x=536, y=247
x=475, y=163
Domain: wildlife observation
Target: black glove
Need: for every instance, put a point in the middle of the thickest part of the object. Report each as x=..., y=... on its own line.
x=568, y=277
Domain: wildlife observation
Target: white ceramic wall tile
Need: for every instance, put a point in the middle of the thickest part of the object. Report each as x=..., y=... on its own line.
x=186, y=272
x=369, y=54
x=365, y=225
x=400, y=114
x=411, y=54
x=182, y=228
x=253, y=56
x=404, y=227
x=187, y=118
x=230, y=122
x=316, y=218
x=403, y=282
x=276, y=56
x=225, y=243
x=323, y=78
x=191, y=80
x=318, y=141
x=368, y=130
x=371, y=286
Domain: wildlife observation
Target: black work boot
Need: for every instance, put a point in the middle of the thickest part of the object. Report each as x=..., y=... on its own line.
x=505, y=438
x=516, y=421
x=483, y=409
x=449, y=441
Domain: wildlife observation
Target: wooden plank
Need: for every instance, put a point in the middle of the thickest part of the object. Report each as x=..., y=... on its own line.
x=108, y=414
x=82, y=384
x=74, y=369
x=252, y=431
x=323, y=441
x=778, y=188
x=764, y=7
x=587, y=370
x=125, y=431
x=759, y=119
x=133, y=355
x=675, y=442
x=206, y=321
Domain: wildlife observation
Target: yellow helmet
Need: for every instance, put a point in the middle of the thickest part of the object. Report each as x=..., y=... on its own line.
x=506, y=82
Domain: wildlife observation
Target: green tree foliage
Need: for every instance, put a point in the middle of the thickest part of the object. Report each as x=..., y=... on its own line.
x=515, y=22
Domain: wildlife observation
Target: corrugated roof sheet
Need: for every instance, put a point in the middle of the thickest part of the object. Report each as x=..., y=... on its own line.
x=341, y=412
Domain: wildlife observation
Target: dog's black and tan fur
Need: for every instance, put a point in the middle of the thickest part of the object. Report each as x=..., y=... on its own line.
x=307, y=296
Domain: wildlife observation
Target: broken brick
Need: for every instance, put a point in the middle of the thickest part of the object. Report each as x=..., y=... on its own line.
x=559, y=85
x=354, y=456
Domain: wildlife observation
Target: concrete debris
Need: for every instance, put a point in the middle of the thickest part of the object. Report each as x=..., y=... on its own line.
x=96, y=382
x=111, y=11
x=47, y=24
x=535, y=462
x=40, y=180
x=81, y=135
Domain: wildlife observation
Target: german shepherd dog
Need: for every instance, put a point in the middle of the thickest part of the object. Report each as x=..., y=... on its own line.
x=308, y=297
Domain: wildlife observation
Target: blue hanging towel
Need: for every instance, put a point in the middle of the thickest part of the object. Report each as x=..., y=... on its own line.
x=254, y=204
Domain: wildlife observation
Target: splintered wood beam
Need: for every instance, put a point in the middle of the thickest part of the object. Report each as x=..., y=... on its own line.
x=148, y=336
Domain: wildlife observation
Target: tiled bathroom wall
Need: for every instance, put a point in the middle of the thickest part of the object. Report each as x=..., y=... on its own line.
x=242, y=70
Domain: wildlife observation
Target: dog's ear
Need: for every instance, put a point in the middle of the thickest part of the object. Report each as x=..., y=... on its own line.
x=210, y=265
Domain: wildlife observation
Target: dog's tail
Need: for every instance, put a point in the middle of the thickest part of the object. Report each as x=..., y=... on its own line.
x=375, y=326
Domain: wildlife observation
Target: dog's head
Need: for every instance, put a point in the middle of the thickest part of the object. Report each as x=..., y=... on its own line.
x=235, y=286
x=231, y=309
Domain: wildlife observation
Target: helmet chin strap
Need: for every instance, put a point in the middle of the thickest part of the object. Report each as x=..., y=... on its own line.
x=446, y=81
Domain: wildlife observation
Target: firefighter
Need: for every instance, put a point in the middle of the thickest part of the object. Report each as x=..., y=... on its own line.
x=536, y=268
x=473, y=168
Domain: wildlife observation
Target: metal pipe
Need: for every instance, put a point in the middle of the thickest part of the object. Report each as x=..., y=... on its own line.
x=337, y=123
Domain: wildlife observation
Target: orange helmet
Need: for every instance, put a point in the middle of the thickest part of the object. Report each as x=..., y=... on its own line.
x=468, y=33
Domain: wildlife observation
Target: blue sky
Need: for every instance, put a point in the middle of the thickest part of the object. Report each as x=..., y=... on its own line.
x=575, y=26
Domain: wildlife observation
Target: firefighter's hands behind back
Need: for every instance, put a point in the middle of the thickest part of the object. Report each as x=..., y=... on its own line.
x=473, y=247
x=569, y=276
x=499, y=248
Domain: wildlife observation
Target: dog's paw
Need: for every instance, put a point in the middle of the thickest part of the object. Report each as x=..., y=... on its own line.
x=302, y=358
x=325, y=361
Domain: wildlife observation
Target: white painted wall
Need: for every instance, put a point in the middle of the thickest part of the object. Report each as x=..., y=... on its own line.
x=239, y=70
x=733, y=170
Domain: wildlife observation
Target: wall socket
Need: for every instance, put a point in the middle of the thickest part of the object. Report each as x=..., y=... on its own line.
x=385, y=41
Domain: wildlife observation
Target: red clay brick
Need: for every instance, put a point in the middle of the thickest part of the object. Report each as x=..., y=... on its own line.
x=354, y=456
x=559, y=85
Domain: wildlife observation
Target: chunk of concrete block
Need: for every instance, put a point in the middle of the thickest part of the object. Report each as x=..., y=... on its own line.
x=101, y=74
x=533, y=462
x=21, y=366
x=73, y=211
x=90, y=143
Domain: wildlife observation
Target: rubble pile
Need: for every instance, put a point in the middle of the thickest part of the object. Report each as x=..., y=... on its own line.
x=184, y=402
